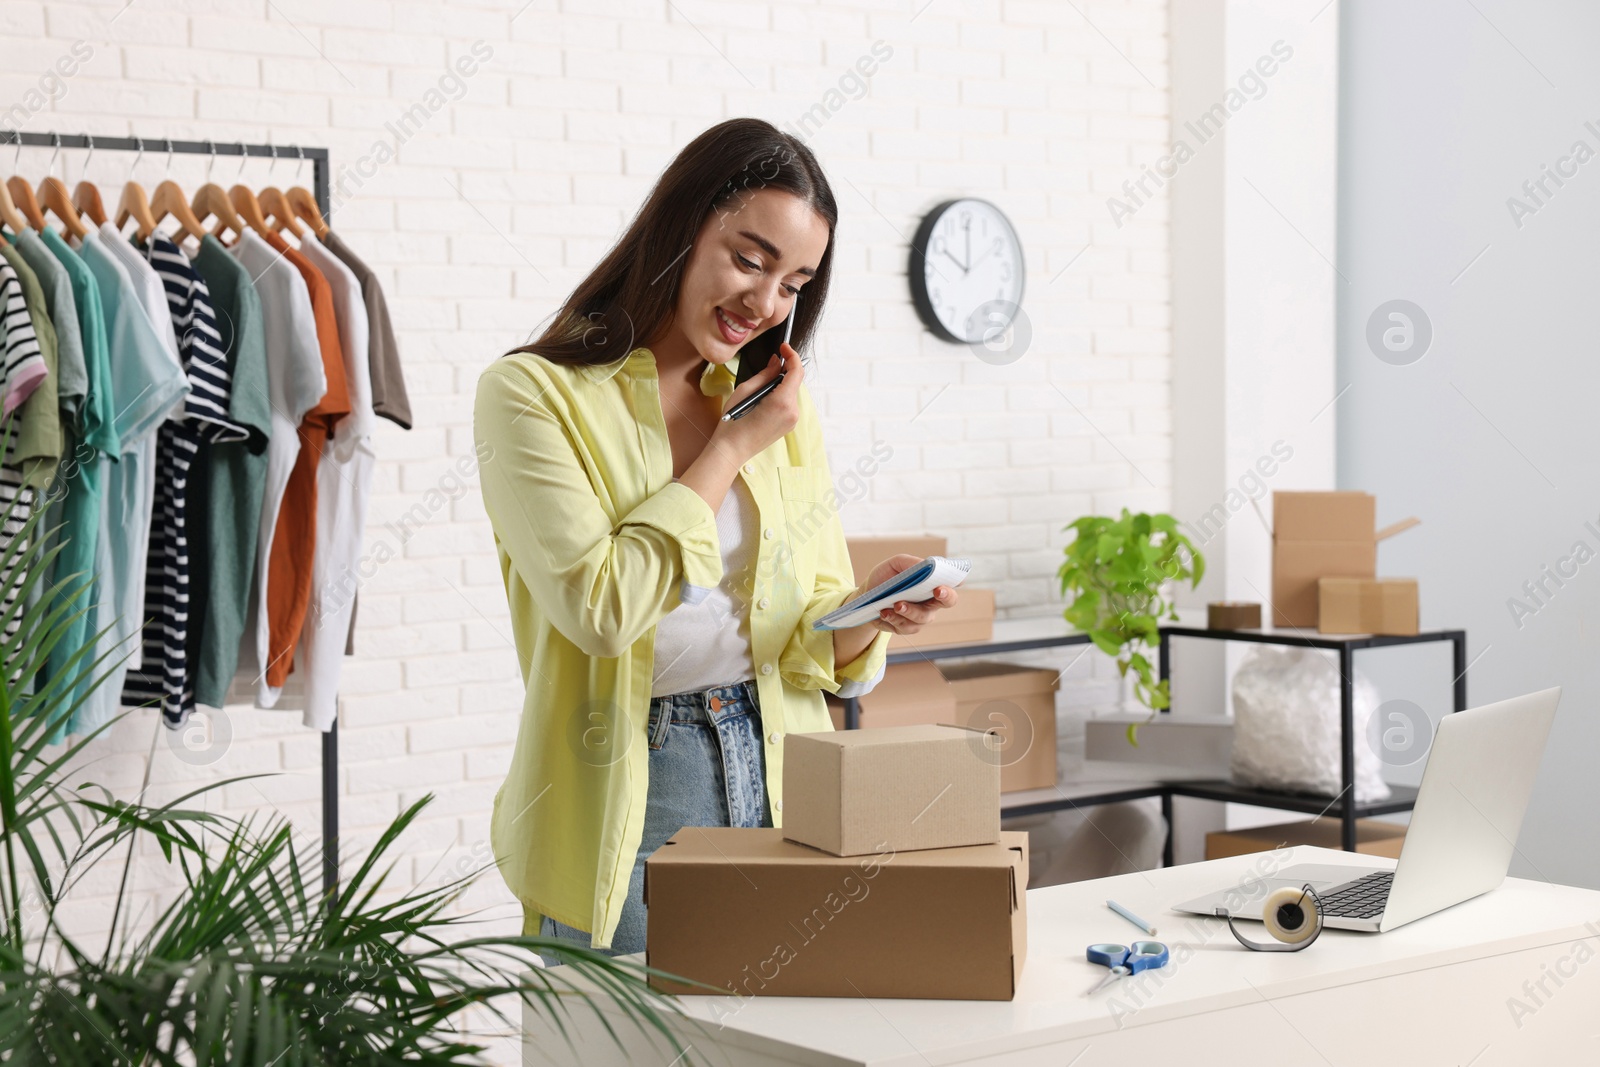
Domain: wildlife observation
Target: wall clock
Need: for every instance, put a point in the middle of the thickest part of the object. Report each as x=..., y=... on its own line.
x=966, y=271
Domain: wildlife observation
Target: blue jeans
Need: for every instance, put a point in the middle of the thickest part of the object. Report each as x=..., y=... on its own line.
x=707, y=768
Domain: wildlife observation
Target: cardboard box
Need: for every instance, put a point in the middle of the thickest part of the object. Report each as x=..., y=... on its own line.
x=754, y=915
x=1373, y=837
x=1233, y=615
x=970, y=621
x=853, y=792
x=1367, y=606
x=1019, y=704
x=867, y=552
x=908, y=694
x=1321, y=535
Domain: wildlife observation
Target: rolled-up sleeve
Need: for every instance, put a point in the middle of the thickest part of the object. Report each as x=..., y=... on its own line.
x=807, y=661
x=602, y=586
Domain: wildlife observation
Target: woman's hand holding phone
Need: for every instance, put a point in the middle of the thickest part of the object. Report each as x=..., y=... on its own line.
x=776, y=414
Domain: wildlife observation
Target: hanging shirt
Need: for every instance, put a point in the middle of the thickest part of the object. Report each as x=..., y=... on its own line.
x=294, y=542
x=296, y=381
x=344, y=483
x=147, y=385
x=24, y=329
x=35, y=450
x=389, y=397
x=162, y=677
x=79, y=492
x=23, y=365
x=72, y=378
x=225, y=500
x=69, y=383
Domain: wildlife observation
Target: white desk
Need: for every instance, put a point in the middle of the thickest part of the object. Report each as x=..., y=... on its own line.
x=1441, y=990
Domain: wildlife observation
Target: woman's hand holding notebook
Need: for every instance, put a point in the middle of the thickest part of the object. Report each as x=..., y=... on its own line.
x=913, y=585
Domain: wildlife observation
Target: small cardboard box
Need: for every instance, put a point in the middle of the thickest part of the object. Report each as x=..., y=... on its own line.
x=867, y=552
x=752, y=914
x=852, y=792
x=1367, y=606
x=1373, y=837
x=1019, y=704
x=969, y=621
x=1321, y=535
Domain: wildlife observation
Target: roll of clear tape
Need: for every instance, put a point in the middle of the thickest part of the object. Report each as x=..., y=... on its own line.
x=1290, y=916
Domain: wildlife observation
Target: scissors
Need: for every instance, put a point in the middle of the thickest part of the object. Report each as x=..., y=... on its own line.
x=1125, y=960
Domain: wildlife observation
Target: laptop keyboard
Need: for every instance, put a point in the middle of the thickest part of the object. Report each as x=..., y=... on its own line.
x=1364, y=898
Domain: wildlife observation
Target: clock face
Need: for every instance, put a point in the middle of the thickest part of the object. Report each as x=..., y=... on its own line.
x=966, y=271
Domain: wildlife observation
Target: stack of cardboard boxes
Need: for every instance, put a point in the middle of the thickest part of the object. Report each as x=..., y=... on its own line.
x=1017, y=702
x=890, y=877
x=1325, y=564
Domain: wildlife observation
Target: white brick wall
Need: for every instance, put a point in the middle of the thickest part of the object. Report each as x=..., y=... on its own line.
x=502, y=200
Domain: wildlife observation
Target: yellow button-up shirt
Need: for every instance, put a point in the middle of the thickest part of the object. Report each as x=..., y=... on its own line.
x=596, y=543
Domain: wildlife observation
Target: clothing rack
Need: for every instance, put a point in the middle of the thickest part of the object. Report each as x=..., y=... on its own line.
x=319, y=189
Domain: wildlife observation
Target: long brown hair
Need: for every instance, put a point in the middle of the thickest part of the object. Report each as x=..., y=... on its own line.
x=632, y=294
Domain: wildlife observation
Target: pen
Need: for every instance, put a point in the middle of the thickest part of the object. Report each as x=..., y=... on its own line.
x=743, y=406
x=1131, y=917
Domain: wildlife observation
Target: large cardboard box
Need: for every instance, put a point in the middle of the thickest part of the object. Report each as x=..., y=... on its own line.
x=751, y=914
x=853, y=792
x=906, y=695
x=970, y=621
x=1321, y=535
x=1367, y=606
x=1373, y=837
x=1019, y=704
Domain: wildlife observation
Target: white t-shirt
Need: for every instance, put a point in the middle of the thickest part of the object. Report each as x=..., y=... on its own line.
x=699, y=645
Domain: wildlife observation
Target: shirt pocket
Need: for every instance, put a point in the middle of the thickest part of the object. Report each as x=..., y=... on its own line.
x=807, y=514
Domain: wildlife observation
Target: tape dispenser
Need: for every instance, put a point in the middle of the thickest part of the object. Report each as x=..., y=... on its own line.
x=1292, y=916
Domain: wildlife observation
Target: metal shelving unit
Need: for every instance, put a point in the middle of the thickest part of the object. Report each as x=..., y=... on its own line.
x=1109, y=782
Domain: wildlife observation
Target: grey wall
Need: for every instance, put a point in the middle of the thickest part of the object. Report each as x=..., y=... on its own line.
x=1446, y=108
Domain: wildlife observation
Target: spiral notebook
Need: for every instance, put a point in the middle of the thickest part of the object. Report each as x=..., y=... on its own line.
x=914, y=584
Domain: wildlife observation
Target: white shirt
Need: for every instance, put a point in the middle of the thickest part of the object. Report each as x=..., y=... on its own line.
x=344, y=484
x=296, y=382
x=705, y=640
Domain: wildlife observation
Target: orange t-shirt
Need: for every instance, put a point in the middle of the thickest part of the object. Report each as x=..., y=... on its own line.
x=294, y=540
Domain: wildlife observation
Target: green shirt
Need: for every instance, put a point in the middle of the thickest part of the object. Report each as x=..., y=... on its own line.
x=225, y=501
x=596, y=544
x=74, y=375
x=36, y=452
x=77, y=496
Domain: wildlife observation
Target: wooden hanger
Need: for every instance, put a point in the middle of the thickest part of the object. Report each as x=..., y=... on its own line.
x=53, y=197
x=136, y=206
x=278, y=212
x=211, y=202
x=9, y=213
x=305, y=205
x=23, y=200
x=249, y=208
x=86, y=196
x=169, y=202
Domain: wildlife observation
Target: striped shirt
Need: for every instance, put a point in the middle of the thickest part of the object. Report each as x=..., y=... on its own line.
x=163, y=676
x=24, y=369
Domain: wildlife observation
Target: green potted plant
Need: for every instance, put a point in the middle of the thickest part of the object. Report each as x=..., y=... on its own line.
x=248, y=961
x=1116, y=571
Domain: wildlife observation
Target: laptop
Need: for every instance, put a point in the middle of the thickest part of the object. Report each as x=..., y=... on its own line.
x=1464, y=827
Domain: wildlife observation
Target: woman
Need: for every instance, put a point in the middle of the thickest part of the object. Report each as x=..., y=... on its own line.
x=664, y=567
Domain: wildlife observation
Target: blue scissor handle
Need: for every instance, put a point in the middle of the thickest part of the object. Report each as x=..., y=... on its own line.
x=1141, y=956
